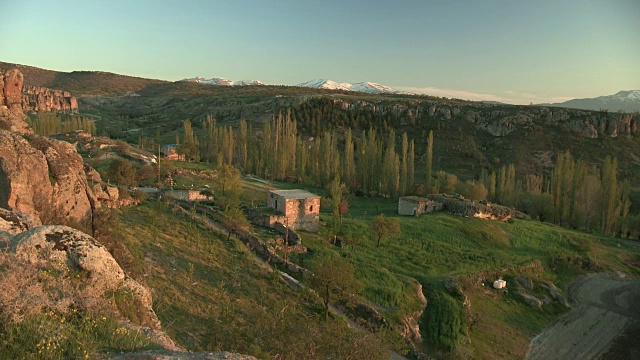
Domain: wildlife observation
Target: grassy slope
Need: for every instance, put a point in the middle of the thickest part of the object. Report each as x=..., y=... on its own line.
x=211, y=294
x=437, y=246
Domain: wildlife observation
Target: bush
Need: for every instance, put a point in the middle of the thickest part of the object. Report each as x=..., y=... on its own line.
x=444, y=321
x=121, y=172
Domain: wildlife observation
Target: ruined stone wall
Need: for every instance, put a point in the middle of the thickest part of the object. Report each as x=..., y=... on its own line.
x=187, y=195
x=411, y=208
x=414, y=207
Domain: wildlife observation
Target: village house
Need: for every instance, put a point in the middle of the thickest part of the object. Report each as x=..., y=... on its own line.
x=170, y=152
x=415, y=205
x=299, y=209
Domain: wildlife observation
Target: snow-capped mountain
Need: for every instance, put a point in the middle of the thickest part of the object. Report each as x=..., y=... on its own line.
x=247, y=82
x=627, y=101
x=224, y=82
x=367, y=87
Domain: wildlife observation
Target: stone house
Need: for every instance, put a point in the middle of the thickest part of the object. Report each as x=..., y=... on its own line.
x=170, y=152
x=299, y=209
x=415, y=205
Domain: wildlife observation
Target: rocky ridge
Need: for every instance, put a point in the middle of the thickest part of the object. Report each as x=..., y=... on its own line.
x=37, y=98
x=502, y=120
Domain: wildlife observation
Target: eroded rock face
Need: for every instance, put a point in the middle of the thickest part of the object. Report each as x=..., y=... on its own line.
x=38, y=98
x=13, y=89
x=15, y=222
x=11, y=116
x=44, y=178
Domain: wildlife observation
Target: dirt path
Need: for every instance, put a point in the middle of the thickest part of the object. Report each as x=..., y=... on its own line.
x=605, y=306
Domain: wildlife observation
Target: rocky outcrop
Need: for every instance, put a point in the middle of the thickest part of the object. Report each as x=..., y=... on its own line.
x=15, y=222
x=44, y=178
x=71, y=252
x=555, y=294
x=410, y=325
x=525, y=282
x=11, y=116
x=38, y=98
x=531, y=300
x=64, y=249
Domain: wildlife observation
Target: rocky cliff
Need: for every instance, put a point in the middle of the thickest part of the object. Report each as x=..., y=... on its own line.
x=39, y=98
x=44, y=178
x=39, y=176
x=11, y=114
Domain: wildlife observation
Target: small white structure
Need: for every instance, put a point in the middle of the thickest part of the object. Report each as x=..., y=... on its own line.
x=499, y=284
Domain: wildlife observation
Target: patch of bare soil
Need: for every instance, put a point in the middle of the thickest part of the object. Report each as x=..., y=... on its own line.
x=605, y=320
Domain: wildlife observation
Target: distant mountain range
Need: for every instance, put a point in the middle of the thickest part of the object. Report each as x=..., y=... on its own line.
x=366, y=87
x=627, y=101
x=223, y=81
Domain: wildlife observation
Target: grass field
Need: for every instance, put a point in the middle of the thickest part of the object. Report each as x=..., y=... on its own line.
x=211, y=294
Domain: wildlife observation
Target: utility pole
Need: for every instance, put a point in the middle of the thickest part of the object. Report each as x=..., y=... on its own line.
x=159, y=167
x=286, y=242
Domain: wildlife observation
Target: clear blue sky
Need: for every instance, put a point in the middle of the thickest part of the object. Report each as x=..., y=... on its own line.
x=508, y=50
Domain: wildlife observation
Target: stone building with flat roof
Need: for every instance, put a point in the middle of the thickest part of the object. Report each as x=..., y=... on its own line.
x=299, y=209
x=415, y=205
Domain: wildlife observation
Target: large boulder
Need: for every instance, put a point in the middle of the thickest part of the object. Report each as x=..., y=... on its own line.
x=531, y=300
x=44, y=178
x=67, y=249
x=73, y=253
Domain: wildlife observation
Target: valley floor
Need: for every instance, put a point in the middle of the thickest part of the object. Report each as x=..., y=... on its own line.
x=606, y=308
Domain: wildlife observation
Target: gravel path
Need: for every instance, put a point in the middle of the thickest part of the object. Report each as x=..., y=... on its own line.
x=604, y=307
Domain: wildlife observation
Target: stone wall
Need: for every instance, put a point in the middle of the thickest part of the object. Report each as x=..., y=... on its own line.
x=415, y=206
x=187, y=195
x=469, y=208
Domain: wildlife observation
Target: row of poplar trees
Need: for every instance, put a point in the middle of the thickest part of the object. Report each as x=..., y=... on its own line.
x=574, y=194
x=49, y=123
x=365, y=162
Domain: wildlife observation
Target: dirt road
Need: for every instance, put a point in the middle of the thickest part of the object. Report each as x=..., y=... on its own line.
x=605, y=306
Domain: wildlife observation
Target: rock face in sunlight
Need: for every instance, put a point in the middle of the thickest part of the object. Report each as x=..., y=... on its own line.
x=38, y=98
x=15, y=223
x=44, y=178
x=11, y=116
